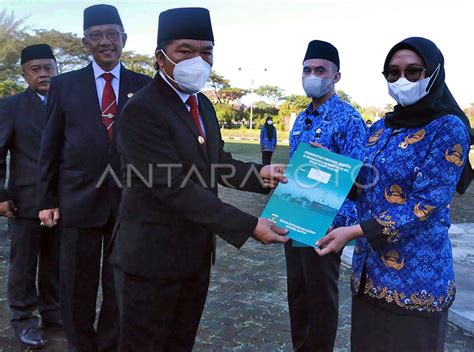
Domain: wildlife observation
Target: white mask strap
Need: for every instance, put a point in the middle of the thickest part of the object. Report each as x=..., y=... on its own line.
x=433, y=77
x=174, y=63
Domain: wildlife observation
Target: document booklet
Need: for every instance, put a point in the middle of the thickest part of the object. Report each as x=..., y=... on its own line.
x=318, y=184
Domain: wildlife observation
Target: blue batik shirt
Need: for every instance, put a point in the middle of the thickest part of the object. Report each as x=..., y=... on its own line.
x=410, y=177
x=340, y=128
x=265, y=143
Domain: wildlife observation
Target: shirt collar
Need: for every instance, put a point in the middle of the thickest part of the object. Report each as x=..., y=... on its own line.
x=324, y=107
x=98, y=71
x=42, y=97
x=183, y=96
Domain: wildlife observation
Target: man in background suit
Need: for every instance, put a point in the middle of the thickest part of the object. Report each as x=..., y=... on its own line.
x=33, y=248
x=78, y=162
x=172, y=155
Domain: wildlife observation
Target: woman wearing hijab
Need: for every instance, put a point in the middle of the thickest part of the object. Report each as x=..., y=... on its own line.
x=415, y=159
x=268, y=140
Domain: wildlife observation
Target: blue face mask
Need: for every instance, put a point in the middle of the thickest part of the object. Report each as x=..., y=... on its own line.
x=316, y=87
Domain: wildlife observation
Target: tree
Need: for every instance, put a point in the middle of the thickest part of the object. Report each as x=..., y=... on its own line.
x=12, y=35
x=274, y=93
x=372, y=113
x=218, y=82
x=261, y=110
x=347, y=98
x=140, y=63
x=229, y=116
x=9, y=87
x=230, y=95
x=389, y=107
x=67, y=47
x=291, y=105
x=344, y=96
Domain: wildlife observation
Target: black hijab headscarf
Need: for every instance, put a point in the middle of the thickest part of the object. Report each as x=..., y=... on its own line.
x=438, y=102
x=270, y=129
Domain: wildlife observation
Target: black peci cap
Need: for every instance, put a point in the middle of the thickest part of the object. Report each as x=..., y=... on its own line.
x=97, y=15
x=318, y=49
x=184, y=23
x=37, y=51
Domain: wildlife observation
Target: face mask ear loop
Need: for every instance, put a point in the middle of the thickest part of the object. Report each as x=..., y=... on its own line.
x=163, y=52
x=433, y=79
x=168, y=76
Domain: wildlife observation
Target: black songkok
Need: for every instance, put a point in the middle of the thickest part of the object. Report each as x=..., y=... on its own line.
x=97, y=15
x=318, y=49
x=184, y=23
x=37, y=51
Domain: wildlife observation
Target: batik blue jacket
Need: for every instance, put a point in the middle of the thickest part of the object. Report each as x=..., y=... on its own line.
x=409, y=179
x=265, y=143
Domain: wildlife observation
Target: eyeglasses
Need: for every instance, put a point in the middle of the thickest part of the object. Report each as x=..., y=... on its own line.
x=110, y=35
x=412, y=74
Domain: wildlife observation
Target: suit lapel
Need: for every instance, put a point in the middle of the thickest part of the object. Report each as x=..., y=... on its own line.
x=36, y=119
x=87, y=92
x=207, y=116
x=177, y=105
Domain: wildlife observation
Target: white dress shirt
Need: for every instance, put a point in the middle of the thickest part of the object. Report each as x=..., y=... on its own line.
x=184, y=97
x=100, y=81
x=42, y=97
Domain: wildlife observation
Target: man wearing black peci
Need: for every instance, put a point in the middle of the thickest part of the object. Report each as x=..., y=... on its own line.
x=78, y=159
x=33, y=248
x=172, y=154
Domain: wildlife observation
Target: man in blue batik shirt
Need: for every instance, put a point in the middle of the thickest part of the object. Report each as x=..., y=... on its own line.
x=313, y=296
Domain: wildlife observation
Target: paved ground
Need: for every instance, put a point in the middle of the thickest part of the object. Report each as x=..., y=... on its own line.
x=246, y=308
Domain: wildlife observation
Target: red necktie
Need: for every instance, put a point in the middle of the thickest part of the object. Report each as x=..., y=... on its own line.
x=109, y=105
x=192, y=102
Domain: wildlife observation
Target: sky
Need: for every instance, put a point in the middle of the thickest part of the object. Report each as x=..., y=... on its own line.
x=267, y=39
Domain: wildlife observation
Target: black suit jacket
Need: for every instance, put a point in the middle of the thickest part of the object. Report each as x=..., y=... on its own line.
x=75, y=150
x=170, y=209
x=22, y=119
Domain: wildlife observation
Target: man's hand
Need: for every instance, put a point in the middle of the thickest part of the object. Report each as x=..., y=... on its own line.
x=267, y=232
x=273, y=174
x=7, y=208
x=49, y=217
x=335, y=240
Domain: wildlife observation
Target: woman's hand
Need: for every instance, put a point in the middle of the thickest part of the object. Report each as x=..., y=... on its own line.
x=335, y=240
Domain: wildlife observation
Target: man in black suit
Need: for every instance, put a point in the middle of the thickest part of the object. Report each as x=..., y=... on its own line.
x=172, y=159
x=33, y=248
x=78, y=164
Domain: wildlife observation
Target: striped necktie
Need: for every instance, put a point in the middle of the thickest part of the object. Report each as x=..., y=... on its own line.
x=192, y=102
x=109, y=105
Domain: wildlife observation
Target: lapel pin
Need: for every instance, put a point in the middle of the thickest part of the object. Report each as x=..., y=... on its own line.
x=201, y=140
x=129, y=95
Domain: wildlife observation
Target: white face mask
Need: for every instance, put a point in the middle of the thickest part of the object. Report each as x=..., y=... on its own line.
x=316, y=87
x=408, y=93
x=190, y=75
x=269, y=123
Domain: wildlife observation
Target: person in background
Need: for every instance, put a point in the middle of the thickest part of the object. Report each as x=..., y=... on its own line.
x=416, y=157
x=268, y=140
x=368, y=123
x=33, y=248
x=313, y=295
x=78, y=183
